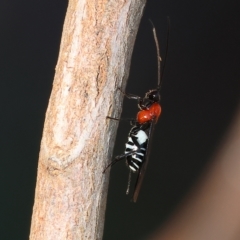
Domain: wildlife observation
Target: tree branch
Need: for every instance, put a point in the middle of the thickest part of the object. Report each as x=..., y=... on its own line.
x=94, y=59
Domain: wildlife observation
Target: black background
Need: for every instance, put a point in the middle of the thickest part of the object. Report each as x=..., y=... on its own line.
x=200, y=93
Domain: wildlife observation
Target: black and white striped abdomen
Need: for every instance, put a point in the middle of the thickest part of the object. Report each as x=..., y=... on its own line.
x=137, y=144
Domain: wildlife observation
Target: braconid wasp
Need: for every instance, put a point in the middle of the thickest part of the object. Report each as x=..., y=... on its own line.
x=137, y=148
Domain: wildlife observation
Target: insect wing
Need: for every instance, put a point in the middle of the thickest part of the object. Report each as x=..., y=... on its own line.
x=145, y=163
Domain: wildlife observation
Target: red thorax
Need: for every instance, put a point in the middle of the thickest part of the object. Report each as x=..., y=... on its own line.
x=150, y=114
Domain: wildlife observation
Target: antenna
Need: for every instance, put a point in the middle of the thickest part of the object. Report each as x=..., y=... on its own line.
x=159, y=59
x=158, y=52
x=166, y=51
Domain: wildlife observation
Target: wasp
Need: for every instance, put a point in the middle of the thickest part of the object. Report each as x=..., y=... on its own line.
x=137, y=147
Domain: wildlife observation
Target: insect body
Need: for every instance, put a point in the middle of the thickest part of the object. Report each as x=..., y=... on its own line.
x=149, y=106
x=135, y=150
x=150, y=114
x=140, y=135
x=136, y=147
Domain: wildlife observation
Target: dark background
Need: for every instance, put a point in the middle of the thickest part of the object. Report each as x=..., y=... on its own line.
x=200, y=94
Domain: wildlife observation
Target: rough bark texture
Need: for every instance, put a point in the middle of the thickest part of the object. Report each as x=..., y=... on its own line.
x=94, y=59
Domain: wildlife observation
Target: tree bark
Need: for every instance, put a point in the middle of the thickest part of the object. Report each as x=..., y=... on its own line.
x=94, y=59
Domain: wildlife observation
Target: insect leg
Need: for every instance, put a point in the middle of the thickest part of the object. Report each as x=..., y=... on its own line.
x=118, y=158
x=129, y=95
x=129, y=181
x=122, y=119
x=135, y=97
